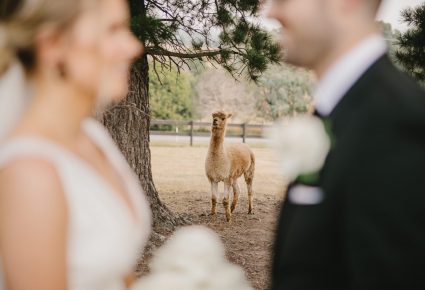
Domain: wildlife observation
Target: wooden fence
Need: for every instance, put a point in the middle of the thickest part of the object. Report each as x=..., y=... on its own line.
x=202, y=129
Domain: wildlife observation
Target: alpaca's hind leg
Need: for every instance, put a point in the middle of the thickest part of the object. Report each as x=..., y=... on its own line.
x=236, y=192
x=214, y=194
x=248, y=179
x=226, y=200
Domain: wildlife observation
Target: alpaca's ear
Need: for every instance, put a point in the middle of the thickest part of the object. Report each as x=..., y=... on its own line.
x=229, y=115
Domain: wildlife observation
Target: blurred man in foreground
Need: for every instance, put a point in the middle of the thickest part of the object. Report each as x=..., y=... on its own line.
x=362, y=224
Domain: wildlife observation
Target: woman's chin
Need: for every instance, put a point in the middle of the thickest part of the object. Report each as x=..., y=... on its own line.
x=117, y=96
x=118, y=92
x=112, y=91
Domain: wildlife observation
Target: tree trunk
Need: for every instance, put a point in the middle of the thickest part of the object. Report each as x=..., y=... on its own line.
x=128, y=123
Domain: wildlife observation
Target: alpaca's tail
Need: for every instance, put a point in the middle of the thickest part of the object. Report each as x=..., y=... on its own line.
x=252, y=167
x=249, y=174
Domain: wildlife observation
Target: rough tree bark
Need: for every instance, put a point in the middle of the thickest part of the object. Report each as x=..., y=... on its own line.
x=128, y=122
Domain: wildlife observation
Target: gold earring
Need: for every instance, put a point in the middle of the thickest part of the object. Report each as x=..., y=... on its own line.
x=61, y=69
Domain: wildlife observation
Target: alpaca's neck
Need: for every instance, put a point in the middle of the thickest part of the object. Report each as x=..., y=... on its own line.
x=217, y=140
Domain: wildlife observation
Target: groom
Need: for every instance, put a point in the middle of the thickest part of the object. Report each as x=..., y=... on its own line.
x=362, y=226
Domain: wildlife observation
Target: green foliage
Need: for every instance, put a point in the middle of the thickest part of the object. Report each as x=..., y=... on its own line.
x=223, y=16
x=283, y=91
x=171, y=95
x=411, y=53
x=249, y=5
x=177, y=32
x=259, y=49
x=149, y=29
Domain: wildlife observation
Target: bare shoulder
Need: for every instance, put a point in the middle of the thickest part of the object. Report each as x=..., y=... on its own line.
x=31, y=180
x=33, y=224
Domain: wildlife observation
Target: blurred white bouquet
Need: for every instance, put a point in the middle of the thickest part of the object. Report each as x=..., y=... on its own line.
x=192, y=259
x=301, y=143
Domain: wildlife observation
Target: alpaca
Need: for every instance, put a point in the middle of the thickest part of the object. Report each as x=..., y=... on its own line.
x=226, y=164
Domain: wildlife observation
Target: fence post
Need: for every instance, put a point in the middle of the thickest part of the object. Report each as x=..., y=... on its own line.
x=191, y=133
x=244, y=132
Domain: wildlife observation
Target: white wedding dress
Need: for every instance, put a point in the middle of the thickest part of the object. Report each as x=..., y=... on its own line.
x=105, y=238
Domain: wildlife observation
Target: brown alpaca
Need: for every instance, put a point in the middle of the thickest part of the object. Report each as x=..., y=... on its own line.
x=226, y=164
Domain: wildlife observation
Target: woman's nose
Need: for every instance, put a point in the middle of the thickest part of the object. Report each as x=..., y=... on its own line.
x=136, y=48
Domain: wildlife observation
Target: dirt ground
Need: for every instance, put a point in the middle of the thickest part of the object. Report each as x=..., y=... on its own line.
x=179, y=176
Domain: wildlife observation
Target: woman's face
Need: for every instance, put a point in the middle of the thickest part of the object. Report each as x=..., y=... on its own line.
x=100, y=49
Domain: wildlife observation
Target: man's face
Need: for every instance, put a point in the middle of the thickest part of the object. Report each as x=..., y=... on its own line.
x=307, y=30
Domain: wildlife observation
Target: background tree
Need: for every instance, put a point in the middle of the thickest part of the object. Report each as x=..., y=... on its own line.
x=283, y=91
x=216, y=90
x=391, y=36
x=411, y=52
x=174, y=33
x=171, y=95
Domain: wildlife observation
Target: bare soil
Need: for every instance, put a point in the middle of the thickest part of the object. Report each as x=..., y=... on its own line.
x=179, y=176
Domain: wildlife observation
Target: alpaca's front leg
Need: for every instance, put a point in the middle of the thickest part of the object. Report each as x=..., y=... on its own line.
x=226, y=200
x=214, y=194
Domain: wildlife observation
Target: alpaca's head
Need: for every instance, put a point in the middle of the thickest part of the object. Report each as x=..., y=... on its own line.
x=220, y=120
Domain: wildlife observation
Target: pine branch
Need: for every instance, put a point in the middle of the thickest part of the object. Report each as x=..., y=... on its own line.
x=163, y=52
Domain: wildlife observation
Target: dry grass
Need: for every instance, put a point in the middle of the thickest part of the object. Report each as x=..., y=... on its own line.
x=181, y=169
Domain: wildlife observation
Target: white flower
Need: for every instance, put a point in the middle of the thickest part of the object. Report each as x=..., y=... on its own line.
x=302, y=144
x=193, y=259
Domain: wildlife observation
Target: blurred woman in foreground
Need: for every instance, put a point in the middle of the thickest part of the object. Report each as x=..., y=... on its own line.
x=72, y=214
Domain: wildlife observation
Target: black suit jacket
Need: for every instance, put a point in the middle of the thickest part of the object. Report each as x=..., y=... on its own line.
x=369, y=230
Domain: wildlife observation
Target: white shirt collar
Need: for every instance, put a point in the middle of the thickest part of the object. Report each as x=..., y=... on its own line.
x=344, y=73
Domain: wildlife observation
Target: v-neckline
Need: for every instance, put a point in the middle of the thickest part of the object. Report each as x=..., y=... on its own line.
x=128, y=207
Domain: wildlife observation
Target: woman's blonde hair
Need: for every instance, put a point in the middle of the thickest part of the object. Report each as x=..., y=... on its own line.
x=20, y=20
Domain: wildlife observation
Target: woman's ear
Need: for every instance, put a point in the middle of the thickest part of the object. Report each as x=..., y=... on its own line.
x=49, y=45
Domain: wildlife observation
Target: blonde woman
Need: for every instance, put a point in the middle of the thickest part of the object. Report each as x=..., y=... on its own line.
x=72, y=214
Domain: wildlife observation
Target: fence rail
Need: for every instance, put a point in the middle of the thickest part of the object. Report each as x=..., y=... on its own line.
x=193, y=129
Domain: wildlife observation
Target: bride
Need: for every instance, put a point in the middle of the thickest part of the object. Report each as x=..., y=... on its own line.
x=72, y=214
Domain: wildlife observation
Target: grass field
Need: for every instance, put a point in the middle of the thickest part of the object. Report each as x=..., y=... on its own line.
x=181, y=169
